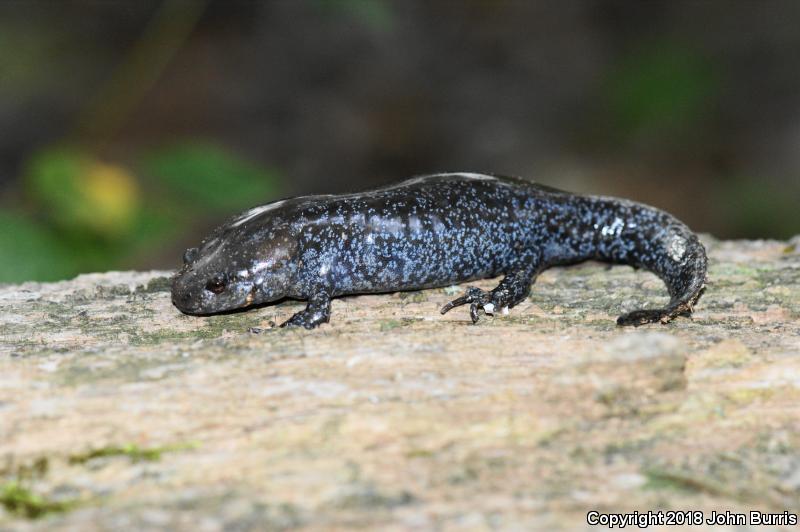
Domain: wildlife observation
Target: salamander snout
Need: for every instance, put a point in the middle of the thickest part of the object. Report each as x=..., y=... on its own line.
x=207, y=292
x=235, y=268
x=185, y=296
x=182, y=300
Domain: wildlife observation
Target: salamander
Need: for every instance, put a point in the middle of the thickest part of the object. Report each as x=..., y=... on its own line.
x=433, y=231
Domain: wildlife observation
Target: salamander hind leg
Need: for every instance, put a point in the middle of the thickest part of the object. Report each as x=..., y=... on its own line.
x=513, y=289
x=316, y=313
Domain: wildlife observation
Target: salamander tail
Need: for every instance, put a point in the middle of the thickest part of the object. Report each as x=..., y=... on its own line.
x=682, y=266
x=626, y=232
x=663, y=315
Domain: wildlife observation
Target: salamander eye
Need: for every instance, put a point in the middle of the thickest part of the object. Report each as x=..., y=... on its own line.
x=217, y=284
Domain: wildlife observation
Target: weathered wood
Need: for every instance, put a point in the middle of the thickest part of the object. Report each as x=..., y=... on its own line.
x=117, y=411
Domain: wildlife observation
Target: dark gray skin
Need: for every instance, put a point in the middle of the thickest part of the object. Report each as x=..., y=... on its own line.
x=428, y=232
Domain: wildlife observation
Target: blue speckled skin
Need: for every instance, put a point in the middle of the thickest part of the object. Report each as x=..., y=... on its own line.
x=433, y=231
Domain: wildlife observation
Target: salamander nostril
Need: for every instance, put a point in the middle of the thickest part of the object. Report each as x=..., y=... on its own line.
x=190, y=255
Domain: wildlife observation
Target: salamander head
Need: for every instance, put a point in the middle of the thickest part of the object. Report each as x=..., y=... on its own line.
x=235, y=268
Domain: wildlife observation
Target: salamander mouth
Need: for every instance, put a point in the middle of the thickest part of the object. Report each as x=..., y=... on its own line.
x=251, y=295
x=184, y=296
x=183, y=302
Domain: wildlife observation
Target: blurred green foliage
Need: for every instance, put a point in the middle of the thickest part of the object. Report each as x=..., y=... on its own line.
x=81, y=213
x=79, y=193
x=208, y=177
x=30, y=251
x=756, y=207
x=21, y=50
x=376, y=14
x=662, y=91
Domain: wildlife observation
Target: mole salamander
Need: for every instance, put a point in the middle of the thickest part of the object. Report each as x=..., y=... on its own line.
x=433, y=231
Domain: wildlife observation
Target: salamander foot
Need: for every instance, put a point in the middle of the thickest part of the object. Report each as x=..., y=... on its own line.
x=316, y=313
x=477, y=299
x=306, y=319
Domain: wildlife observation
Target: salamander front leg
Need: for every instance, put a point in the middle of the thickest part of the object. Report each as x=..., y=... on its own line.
x=317, y=312
x=513, y=289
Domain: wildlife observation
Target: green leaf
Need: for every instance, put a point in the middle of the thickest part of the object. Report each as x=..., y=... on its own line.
x=31, y=252
x=211, y=178
x=81, y=194
x=660, y=90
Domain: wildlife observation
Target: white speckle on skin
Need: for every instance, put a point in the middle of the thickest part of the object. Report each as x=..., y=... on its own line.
x=467, y=175
x=261, y=266
x=504, y=310
x=252, y=213
x=324, y=269
x=614, y=229
x=470, y=175
x=488, y=308
x=676, y=248
x=411, y=181
x=394, y=225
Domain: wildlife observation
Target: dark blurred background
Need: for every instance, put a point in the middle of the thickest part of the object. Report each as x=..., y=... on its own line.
x=130, y=128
